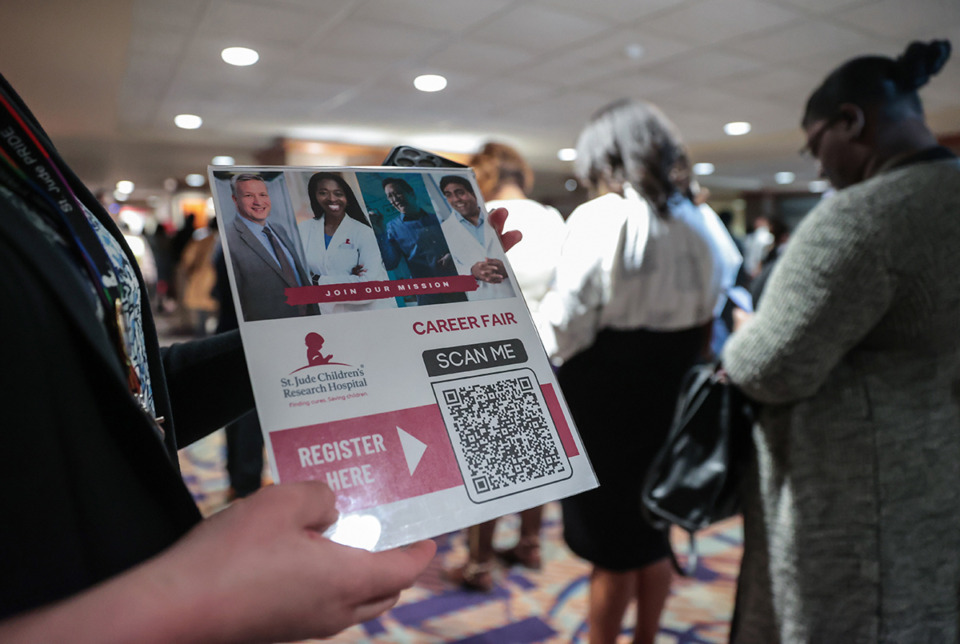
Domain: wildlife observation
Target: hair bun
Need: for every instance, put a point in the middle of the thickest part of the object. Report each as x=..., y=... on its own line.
x=920, y=61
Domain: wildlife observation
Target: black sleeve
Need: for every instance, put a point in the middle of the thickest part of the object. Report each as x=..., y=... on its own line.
x=208, y=383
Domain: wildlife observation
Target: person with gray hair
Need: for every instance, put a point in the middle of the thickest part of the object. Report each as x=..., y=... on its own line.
x=265, y=261
x=633, y=300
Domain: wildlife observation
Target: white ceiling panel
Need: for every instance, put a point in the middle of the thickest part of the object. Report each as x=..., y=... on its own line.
x=712, y=21
x=788, y=87
x=530, y=71
x=539, y=29
x=261, y=22
x=904, y=19
x=616, y=10
x=799, y=40
x=478, y=57
x=453, y=16
x=706, y=66
x=825, y=6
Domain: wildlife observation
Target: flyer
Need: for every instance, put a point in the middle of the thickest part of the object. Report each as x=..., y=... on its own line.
x=390, y=351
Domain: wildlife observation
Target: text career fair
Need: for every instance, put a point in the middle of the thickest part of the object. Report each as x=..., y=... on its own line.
x=464, y=323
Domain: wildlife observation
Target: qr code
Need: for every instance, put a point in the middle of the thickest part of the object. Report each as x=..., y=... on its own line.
x=502, y=433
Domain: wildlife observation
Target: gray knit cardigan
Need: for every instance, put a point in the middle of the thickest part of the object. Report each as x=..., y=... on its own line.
x=852, y=524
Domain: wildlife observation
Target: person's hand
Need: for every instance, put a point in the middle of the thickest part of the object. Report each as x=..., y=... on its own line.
x=444, y=262
x=740, y=318
x=509, y=239
x=490, y=270
x=259, y=571
x=497, y=267
x=358, y=270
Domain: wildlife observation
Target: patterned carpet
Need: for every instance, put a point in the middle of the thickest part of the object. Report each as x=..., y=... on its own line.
x=525, y=606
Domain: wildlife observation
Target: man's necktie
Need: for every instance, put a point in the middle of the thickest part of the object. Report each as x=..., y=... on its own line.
x=288, y=273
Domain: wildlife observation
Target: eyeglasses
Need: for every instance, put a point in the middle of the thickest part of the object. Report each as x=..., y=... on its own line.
x=812, y=147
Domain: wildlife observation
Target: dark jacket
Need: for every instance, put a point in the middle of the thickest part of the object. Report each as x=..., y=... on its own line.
x=89, y=489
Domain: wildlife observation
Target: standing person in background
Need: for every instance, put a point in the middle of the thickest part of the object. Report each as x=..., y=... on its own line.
x=197, y=277
x=631, y=307
x=243, y=436
x=504, y=178
x=851, y=520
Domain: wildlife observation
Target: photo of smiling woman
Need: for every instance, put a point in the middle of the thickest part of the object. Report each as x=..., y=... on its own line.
x=339, y=244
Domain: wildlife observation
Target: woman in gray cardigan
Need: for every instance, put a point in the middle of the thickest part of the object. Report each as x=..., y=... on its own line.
x=852, y=524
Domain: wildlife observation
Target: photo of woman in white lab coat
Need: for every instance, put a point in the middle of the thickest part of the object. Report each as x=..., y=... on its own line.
x=339, y=244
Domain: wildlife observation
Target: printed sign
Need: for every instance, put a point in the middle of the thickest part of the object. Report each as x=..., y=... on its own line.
x=390, y=350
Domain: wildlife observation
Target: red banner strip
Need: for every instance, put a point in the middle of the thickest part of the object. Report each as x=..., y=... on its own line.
x=357, y=291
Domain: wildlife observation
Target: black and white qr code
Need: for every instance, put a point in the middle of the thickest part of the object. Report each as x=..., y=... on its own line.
x=502, y=433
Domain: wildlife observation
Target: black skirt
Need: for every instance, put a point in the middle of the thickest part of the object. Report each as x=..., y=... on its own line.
x=621, y=392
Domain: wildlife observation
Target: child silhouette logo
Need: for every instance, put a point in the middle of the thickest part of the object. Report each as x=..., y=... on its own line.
x=314, y=342
x=315, y=357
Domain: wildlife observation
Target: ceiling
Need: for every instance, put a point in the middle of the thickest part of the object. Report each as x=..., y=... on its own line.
x=106, y=77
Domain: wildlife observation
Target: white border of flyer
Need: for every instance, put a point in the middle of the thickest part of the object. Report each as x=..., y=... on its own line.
x=385, y=359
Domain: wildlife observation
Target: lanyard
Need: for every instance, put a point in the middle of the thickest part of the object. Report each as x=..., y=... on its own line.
x=41, y=180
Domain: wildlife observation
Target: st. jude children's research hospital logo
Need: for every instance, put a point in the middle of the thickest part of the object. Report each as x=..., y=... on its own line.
x=317, y=378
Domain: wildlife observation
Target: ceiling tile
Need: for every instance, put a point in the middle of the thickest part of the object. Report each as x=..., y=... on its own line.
x=478, y=57
x=538, y=29
x=797, y=40
x=260, y=22
x=386, y=41
x=825, y=6
x=452, y=16
x=642, y=85
x=904, y=19
x=705, y=66
x=616, y=10
x=783, y=85
x=712, y=21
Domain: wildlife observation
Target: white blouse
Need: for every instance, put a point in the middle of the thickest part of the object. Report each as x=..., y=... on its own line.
x=624, y=267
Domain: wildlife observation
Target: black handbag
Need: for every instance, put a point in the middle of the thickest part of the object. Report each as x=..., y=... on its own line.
x=694, y=480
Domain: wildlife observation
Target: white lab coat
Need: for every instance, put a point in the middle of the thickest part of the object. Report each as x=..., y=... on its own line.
x=353, y=243
x=467, y=251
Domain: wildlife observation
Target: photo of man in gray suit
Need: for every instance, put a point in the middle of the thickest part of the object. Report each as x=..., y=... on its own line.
x=264, y=258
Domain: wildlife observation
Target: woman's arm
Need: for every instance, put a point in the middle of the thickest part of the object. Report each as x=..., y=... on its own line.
x=828, y=291
x=209, y=384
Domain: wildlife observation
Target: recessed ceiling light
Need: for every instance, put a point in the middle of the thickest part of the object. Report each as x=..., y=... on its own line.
x=571, y=185
x=188, y=121
x=239, y=56
x=783, y=178
x=567, y=154
x=703, y=168
x=126, y=187
x=634, y=51
x=195, y=180
x=736, y=128
x=120, y=196
x=430, y=82
x=223, y=160
x=820, y=185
